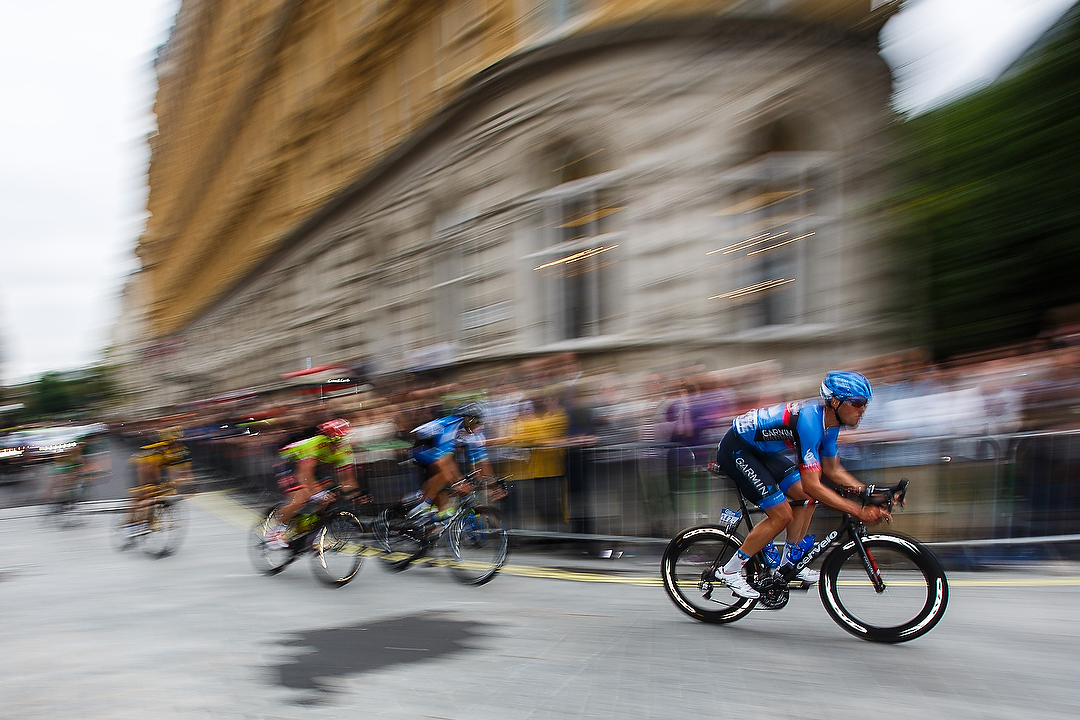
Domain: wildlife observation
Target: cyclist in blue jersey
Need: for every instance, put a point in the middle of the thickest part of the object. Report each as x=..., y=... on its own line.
x=756, y=451
x=436, y=445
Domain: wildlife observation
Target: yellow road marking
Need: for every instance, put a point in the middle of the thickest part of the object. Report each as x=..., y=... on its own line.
x=219, y=504
x=1018, y=582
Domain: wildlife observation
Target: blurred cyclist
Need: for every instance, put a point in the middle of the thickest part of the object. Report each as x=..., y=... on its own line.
x=64, y=474
x=755, y=454
x=330, y=448
x=436, y=444
x=165, y=460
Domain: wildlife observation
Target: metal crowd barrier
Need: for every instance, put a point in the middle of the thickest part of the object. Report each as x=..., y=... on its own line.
x=961, y=489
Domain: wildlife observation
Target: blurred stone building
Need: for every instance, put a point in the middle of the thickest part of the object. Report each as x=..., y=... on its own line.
x=459, y=183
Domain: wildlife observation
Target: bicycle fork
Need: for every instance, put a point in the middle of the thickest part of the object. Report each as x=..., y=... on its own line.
x=869, y=564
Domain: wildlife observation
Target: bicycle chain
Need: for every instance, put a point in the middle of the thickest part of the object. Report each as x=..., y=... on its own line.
x=774, y=592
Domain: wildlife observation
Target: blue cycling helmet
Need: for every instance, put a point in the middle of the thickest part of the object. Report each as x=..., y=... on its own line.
x=846, y=385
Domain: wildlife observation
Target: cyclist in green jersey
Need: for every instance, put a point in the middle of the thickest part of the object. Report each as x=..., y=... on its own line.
x=329, y=447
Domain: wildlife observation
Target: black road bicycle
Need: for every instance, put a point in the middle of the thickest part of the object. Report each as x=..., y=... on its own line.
x=882, y=587
x=326, y=527
x=475, y=534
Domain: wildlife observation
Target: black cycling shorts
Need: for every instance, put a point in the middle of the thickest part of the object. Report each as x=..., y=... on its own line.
x=761, y=477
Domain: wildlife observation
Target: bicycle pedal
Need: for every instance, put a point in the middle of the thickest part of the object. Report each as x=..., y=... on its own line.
x=706, y=590
x=800, y=585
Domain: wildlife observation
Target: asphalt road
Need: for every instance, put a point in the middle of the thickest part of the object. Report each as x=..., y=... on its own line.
x=90, y=632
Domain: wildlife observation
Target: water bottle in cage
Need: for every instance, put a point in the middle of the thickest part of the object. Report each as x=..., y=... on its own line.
x=772, y=554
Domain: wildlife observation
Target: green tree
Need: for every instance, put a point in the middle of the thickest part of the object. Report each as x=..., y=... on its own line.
x=989, y=216
x=56, y=395
x=51, y=396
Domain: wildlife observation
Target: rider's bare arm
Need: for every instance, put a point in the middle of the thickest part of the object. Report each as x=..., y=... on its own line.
x=181, y=474
x=305, y=472
x=347, y=477
x=835, y=473
x=812, y=486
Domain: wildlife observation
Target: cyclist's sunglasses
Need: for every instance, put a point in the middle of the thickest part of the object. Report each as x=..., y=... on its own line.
x=860, y=403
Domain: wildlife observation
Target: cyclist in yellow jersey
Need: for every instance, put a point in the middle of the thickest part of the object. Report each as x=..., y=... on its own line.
x=329, y=447
x=166, y=460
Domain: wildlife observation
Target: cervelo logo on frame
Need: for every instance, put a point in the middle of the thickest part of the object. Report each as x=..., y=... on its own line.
x=816, y=550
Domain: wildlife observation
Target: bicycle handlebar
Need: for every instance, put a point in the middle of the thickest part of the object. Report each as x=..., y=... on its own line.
x=497, y=487
x=884, y=495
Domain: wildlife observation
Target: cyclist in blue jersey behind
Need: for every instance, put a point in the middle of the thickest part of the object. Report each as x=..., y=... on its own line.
x=436, y=444
x=755, y=453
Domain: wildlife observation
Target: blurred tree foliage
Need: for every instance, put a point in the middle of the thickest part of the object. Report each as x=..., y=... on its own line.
x=56, y=395
x=51, y=396
x=989, y=213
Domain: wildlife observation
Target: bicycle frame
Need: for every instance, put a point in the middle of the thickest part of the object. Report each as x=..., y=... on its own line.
x=853, y=529
x=468, y=501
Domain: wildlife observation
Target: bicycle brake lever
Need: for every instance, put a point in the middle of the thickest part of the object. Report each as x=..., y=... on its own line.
x=867, y=491
x=901, y=494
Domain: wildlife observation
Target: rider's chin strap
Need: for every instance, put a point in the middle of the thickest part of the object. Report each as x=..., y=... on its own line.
x=836, y=413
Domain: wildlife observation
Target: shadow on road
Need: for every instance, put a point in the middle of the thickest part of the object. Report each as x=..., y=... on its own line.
x=357, y=649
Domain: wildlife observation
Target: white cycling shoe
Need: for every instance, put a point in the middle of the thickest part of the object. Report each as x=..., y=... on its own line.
x=807, y=575
x=276, y=539
x=737, y=584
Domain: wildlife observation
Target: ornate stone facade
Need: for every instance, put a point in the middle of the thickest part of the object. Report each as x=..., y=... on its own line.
x=643, y=188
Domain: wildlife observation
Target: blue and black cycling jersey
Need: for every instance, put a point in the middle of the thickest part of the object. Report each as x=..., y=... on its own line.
x=439, y=438
x=795, y=426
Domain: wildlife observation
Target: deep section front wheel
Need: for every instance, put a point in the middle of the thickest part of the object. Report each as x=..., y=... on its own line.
x=338, y=548
x=479, y=545
x=267, y=559
x=398, y=537
x=165, y=527
x=686, y=567
x=914, y=598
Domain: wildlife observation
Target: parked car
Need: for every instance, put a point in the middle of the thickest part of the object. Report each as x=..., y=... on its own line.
x=15, y=453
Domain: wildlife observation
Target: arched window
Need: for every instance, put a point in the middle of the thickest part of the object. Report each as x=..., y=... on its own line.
x=774, y=220
x=577, y=246
x=451, y=271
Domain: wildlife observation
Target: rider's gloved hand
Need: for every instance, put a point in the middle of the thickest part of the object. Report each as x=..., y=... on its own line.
x=359, y=497
x=874, y=513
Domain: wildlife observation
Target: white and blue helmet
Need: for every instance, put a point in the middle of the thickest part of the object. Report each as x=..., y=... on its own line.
x=470, y=409
x=846, y=385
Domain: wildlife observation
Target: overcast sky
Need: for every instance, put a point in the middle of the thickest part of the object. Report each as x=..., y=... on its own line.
x=78, y=88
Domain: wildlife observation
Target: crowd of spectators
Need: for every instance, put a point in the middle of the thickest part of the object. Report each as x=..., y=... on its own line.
x=559, y=430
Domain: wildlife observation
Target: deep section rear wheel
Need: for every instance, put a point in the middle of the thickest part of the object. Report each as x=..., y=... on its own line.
x=915, y=596
x=689, y=558
x=479, y=545
x=338, y=548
